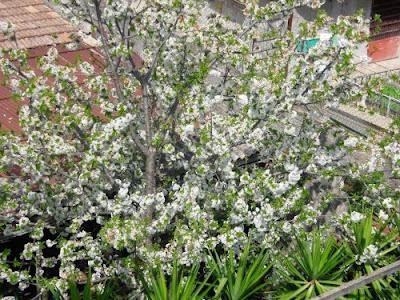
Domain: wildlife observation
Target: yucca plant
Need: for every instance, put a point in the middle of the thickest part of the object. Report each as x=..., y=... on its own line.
x=87, y=293
x=180, y=285
x=366, y=235
x=243, y=279
x=312, y=268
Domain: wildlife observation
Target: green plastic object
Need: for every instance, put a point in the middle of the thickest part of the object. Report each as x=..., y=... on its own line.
x=306, y=45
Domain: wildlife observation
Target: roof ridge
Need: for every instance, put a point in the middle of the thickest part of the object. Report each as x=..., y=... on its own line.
x=54, y=34
x=45, y=26
x=36, y=20
x=33, y=17
x=20, y=3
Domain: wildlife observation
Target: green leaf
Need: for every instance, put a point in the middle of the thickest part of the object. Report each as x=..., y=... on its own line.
x=74, y=291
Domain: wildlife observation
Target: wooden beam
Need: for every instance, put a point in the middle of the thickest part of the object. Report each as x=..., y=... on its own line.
x=350, y=286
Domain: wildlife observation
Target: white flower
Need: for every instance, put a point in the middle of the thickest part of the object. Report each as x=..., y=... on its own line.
x=280, y=188
x=294, y=176
x=383, y=216
x=388, y=203
x=351, y=142
x=86, y=68
x=22, y=286
x=50, y=243
x=243, y=99
x=169, y=149
x=23, y=221
x=286, y=227
x=259, y=223
x=370, y=253
x=14, y=84
x=290, y=130
x=72, y=46
x=356, y=217
x=123, y=192
x=52, y=54
x=188, y=129
x=218, y=98
x=342, y=41
x=215, y=73
x=7, y=28
x=3, y=26
x=175, y=187
x=81, y=234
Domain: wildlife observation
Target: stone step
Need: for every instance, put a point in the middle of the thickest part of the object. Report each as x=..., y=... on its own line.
x=350, y=122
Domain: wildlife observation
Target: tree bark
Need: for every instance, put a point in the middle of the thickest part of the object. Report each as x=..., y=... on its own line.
x=150, y=177
x=151, y=172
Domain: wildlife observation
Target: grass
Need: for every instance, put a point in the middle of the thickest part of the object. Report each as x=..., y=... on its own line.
x=390, y=91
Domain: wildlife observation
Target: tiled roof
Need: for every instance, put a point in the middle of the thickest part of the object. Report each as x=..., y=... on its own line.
x=9, y=107
x=37, y=28
x=36, y=24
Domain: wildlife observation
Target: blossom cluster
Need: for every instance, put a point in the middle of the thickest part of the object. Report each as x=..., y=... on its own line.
x=218, y=146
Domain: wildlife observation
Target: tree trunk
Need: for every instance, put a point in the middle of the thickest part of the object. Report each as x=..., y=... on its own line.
x=150, y=176
x=151, y=172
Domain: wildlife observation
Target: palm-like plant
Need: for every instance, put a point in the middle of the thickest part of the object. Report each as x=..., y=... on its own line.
x=242, y=279
x=178, y=286
x=366, y=235
x=312, y=269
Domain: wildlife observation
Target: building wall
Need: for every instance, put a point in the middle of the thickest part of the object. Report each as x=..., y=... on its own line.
x=229, y=8
x=335, y=9
x=233, y=9
x=377, y=50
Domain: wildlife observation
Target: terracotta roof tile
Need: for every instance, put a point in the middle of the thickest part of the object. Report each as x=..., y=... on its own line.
x=19, y=3
x=36, y=24
x=37, y=28
x=9, y=108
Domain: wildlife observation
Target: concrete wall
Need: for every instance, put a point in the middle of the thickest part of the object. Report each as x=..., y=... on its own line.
x=335, y=9
x=230, y=8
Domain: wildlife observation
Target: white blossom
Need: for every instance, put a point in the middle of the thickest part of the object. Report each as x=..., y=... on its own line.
x=351, y=142
x=356, y=217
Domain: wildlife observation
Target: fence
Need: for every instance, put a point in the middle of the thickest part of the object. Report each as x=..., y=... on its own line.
x=384, y=104
x=381, y=102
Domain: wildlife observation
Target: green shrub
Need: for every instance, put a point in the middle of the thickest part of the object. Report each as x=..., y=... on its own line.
x=370, y=250
x=181, y=285
x=312, y=268
x=243, y=279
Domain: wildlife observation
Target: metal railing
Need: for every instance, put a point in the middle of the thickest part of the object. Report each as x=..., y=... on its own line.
x=384, y=104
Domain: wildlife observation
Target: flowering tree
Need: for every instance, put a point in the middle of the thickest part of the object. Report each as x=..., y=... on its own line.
x=201, y=143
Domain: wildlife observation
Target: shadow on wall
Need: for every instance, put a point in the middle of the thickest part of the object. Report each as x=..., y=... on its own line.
x=231, y=8
x=335, y=8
